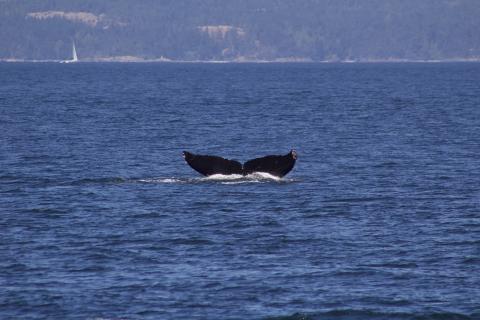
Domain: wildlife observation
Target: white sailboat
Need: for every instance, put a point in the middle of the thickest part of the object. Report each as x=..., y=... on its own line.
x=74, y=55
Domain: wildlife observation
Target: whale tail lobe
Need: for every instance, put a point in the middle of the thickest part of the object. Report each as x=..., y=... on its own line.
x=277, y=165
x=208, y=165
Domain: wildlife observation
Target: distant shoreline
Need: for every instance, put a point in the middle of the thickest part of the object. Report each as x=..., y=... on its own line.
x=240, y=61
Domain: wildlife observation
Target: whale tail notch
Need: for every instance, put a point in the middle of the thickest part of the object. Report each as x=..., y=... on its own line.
x=277, y=165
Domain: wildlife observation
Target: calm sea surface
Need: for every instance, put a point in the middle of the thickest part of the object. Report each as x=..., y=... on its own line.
x=100, y=217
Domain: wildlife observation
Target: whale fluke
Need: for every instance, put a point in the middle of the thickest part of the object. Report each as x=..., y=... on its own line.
x=277, y=165
x=208, y=165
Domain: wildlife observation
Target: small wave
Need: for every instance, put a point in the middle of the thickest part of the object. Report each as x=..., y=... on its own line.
x=121, y=180
x=105, y=180
x=373, y=315
x=361, y=199
x=256, y=177
x=161, y=180
x=9, y=178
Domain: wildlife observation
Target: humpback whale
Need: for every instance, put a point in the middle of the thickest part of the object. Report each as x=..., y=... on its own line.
x=277, y=165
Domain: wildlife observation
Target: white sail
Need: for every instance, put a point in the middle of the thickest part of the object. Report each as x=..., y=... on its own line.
x=74, y=55
x=75, y=58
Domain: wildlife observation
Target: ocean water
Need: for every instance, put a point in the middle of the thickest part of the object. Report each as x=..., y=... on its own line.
x=101, y=218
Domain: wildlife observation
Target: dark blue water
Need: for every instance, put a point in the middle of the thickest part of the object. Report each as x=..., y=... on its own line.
x=100, y=218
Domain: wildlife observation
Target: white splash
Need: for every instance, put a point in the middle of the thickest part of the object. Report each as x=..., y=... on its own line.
x=160, y=180
x=238, y=179
x=263, y=176
x=256, y=177
x=223, y=177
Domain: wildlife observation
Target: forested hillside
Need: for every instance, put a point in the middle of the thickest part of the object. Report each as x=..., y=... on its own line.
x=241, y=30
